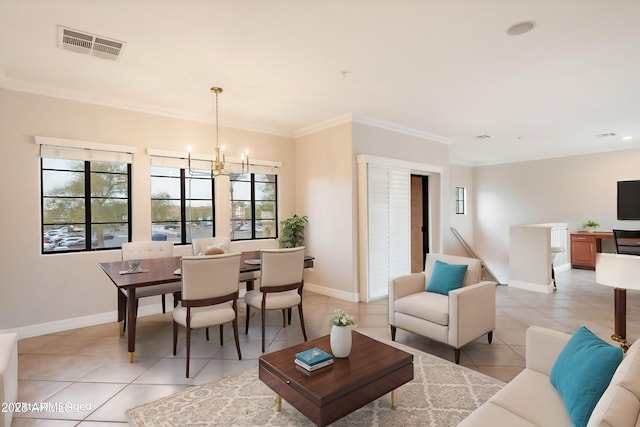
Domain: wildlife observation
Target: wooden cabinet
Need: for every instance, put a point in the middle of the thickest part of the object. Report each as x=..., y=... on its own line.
x=584, y=247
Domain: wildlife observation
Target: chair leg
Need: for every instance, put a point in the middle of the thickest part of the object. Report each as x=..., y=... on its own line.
x=456, y=352
x=490, y=336
x=235, y=336
x=289, y=312
x=393, y=333
x=175, y=337
x=177, y=296
x=304, y=332
x=164, y=304
x=263, y=328
x=221, y=337
x=284, y=318
x=207, y=332
x=188, y=347
x=246, y=322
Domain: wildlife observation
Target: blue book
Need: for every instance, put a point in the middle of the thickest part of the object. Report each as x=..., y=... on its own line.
x=313, y=356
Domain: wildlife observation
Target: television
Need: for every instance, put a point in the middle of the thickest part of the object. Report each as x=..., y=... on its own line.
x=629, y=200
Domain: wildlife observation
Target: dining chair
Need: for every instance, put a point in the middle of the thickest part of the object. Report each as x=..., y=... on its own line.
x=148, y=250
x=201, y=245
x=281, y=283
x=627, y=241
x=209, y=296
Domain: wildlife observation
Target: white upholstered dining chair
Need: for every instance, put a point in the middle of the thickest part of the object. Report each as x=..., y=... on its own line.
x=201, y=245
x=281, y=283
x=214, y=245
x=209, y=297
x=148, y=250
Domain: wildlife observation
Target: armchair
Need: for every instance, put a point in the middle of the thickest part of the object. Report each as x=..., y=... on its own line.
x=455, y=319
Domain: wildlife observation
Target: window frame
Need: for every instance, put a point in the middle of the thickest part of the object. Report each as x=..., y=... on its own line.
x=253, y=203
x=461, y=200
x=88, y=198
x=183, y=177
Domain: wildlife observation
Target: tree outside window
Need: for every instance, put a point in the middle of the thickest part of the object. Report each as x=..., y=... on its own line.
x=253, y=204
x=85, y=205
x=181, y=205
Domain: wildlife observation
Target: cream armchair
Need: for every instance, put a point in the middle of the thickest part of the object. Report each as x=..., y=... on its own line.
x=454, y=319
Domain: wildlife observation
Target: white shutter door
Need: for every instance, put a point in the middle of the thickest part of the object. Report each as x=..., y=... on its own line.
x=399, y=222
x=378, y=231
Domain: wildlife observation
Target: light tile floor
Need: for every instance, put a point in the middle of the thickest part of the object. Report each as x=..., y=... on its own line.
x=88, y=367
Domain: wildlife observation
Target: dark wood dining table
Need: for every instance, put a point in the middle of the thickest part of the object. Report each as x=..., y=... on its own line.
x=157, y=271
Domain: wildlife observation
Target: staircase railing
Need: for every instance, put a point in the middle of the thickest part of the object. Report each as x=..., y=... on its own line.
x=473, y=253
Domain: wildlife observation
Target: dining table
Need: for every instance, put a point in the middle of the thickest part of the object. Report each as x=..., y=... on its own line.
x=158, y=271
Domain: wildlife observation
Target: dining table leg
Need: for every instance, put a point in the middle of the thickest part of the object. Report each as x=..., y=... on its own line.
x=122, y=310
x=131, y=321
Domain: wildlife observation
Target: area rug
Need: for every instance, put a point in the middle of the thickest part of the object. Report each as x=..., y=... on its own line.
x=441, y=394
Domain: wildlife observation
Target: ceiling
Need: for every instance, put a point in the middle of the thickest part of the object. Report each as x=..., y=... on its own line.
x=445, y=69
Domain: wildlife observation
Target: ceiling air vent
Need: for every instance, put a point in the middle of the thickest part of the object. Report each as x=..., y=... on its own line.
x=482, y=137
x=89, y=44
x=605, y=135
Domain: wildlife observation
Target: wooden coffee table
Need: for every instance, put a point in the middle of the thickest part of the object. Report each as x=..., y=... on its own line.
x=328, y=394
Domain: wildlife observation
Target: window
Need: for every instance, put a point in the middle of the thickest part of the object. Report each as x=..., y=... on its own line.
x=253, y=198
x=461, y=200
x=86, y=205
x=181, y=205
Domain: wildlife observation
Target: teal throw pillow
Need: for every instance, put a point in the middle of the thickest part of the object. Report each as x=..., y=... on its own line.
x=582, y=373
x=446, y=277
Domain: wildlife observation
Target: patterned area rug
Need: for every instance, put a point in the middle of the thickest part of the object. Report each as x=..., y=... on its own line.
x=441, y=394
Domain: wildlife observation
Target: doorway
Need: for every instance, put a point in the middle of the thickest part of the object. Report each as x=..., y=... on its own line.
x=419, y=221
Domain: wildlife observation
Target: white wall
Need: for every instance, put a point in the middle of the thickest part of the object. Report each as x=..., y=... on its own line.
x=569, y=189
x=324, y=193
x=37, y=289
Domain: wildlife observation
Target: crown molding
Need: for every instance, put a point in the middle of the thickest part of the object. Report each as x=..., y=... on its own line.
x=326, y=124
x=369, y=121
x=66, y=94
x=393, y=127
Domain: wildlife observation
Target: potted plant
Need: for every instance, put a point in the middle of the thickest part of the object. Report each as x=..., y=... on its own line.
x=340, y=337
x=293, y=231
x=590, y=226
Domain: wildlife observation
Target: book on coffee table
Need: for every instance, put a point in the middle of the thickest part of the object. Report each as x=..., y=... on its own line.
x=312, y=368
x=313, y=359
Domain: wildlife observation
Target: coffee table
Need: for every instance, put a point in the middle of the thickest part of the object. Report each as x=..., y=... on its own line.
x=328, y=394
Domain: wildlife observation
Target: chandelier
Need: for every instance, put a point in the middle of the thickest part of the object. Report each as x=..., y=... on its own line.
x=219, y=160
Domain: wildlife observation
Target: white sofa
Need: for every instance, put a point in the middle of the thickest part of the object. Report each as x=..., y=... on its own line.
x=8, y=375
x=456, y=319
x=530, y=399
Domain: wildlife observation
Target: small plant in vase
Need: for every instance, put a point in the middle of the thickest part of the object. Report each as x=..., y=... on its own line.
x=340, y=338
x=590, y=226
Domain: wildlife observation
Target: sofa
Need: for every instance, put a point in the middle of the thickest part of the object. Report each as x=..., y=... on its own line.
x=453, y=316
x=8, y=376
x=530, y=399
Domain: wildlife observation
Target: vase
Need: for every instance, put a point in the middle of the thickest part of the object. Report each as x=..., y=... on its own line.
x=340, y=340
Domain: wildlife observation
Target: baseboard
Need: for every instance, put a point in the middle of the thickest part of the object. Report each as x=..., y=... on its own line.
x=144, y=310
x=78, y=322
x=528, y=286
x=333, y=293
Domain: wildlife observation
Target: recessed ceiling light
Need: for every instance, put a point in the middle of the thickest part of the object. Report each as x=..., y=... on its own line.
x=521, y=28
x=627, y=138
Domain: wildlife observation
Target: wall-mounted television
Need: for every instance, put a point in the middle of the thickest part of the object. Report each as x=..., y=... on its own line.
x=629, y=200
